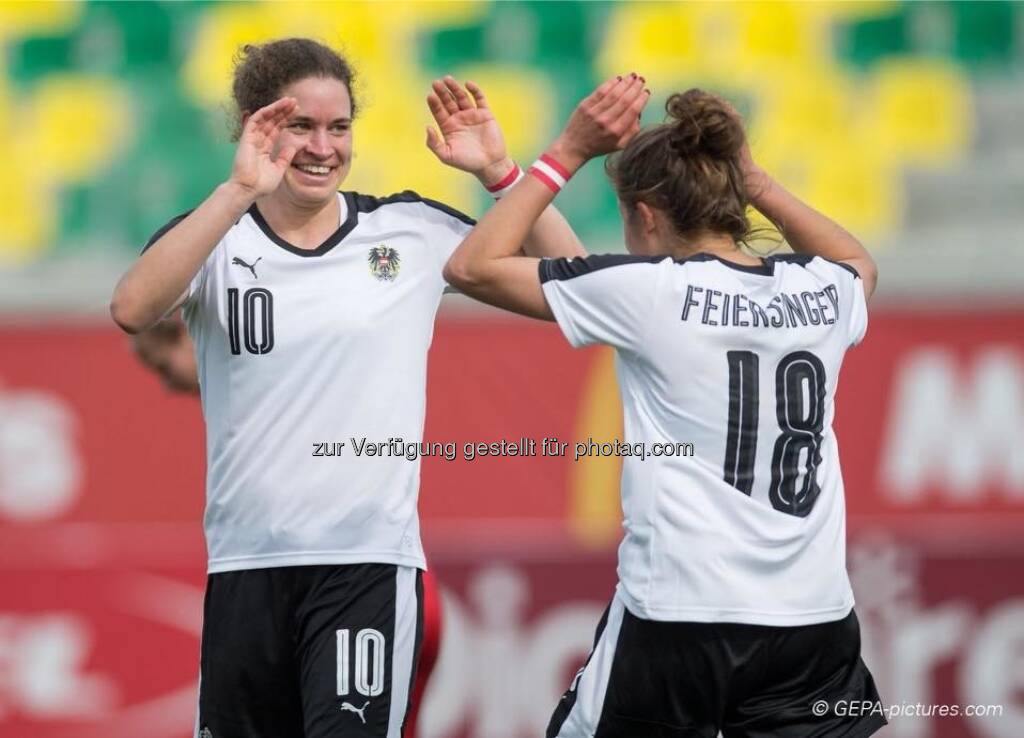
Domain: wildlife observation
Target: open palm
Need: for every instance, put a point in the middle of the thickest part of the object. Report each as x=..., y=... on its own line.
x=470, y=138
x=255, y=167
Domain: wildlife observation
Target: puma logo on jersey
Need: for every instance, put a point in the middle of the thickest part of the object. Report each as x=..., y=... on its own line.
x=348, y=707
x=250, y=267
x=205, y=733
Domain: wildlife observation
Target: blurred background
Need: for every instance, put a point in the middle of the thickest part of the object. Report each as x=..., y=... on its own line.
x=901, y=120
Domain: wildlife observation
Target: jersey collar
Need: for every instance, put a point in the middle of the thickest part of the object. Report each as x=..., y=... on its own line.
x=766, y=267
x=349, y=215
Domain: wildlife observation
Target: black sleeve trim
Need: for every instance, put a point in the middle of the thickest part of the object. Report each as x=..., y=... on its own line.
x=457, y=214
x=801, y=259
x=563, y=268
x=163, y=229
x=369, y=203
x=805, y=259
x=847, y=267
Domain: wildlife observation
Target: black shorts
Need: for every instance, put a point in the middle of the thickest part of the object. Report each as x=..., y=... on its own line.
x=309, y=651
x=647, y=679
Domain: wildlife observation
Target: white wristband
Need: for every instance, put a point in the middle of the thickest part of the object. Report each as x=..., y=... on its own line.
x=550, y=172
x=507, y=182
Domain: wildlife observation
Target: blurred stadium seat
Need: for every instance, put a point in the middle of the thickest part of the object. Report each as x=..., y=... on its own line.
x=902, y=119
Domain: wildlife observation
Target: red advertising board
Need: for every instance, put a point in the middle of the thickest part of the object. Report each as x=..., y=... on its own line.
x=929, y=414
x=101, y=556
x=111, y=649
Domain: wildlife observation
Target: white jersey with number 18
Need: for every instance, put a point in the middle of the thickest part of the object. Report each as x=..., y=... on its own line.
x=742, y=362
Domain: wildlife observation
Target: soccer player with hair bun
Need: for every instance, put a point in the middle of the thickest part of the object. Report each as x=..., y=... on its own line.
x=733, y=614
x=301, y=301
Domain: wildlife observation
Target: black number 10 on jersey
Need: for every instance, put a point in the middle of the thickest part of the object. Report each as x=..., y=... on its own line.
x=256, y=320
x=800, y=412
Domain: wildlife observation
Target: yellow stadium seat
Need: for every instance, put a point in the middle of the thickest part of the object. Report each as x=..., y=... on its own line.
x=922, y=110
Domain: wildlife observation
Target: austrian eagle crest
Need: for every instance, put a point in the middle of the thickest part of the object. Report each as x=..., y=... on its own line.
x=384, y=263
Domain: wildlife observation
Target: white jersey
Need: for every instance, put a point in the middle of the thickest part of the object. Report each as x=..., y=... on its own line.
x=743, y=363
x=301, y=351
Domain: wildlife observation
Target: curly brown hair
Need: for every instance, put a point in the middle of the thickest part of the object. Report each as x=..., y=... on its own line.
x=688, y=167
x=263, y=70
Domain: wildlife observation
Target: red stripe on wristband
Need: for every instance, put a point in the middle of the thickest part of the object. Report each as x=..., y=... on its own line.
x=550, y=183
x=554, y=164
x=506, y=180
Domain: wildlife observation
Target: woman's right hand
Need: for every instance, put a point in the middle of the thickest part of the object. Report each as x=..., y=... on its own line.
x=604, y=121
x=255, y=170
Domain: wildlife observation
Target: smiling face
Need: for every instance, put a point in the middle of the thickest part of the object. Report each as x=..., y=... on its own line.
x=321, y=130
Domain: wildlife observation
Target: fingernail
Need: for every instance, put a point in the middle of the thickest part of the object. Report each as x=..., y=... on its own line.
x=633, y=75
x=619, y=78
x=642, y=79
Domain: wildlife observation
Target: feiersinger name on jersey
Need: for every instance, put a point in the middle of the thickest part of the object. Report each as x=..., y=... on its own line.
x=785, y=310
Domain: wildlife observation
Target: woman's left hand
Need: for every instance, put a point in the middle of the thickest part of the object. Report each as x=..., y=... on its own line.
x=603, y=122
x=470, y=138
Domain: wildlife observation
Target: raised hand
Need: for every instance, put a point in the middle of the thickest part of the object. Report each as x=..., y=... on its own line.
x=255, y=168
x=605, y=120
x=470, y=138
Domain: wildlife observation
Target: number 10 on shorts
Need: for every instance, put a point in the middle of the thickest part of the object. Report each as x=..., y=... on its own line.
x=369, y=662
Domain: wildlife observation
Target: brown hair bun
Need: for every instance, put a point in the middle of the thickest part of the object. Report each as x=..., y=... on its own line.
x=702, y=123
